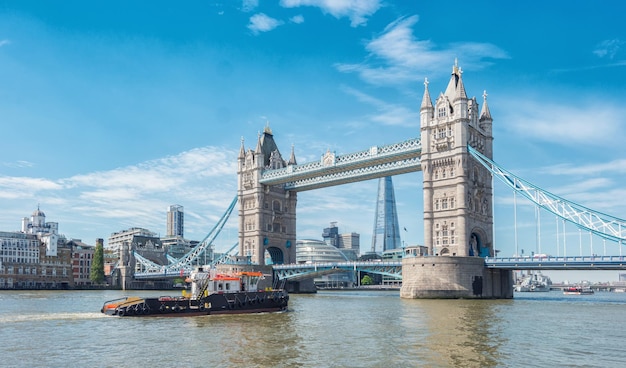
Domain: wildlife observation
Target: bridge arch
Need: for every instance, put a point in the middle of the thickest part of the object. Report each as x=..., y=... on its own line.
x=275, y=254
x=477, y=246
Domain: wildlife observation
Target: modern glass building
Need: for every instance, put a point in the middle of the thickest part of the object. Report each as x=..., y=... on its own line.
x=310, y=251
x=386, y=233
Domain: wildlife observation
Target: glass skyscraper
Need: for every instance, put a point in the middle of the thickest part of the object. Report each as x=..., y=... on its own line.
x=386, y=234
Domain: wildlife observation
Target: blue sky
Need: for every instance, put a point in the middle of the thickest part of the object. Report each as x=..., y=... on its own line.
x=111, y=111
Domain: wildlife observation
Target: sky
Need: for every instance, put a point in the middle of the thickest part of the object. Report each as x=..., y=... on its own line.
x=110, y=111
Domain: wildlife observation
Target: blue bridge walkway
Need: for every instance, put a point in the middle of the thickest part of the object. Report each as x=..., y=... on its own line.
x=394, y=268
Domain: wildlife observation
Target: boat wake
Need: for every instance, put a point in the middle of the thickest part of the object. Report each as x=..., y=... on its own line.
x=21, y=318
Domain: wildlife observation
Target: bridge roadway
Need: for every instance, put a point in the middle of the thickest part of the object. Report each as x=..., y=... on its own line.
x=558, y=263
x=294, y=272
x=394, y=268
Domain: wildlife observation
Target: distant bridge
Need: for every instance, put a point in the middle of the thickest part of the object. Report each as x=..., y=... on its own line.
x=559, y=263
x=293, y=272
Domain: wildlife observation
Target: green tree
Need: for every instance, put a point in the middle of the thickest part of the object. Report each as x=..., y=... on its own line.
x=96, y=274
x=367, y=280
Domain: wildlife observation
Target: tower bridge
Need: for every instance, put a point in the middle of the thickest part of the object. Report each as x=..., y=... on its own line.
x=455, y=154
x=458, y=215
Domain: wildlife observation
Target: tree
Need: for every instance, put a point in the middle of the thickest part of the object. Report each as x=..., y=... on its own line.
x=367, y=280
x=96, y=274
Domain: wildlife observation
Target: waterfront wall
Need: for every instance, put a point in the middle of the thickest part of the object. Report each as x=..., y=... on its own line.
x=453, y=278
x=305, y=286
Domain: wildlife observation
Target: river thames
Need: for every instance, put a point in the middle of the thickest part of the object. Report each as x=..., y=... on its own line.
x=327, y=329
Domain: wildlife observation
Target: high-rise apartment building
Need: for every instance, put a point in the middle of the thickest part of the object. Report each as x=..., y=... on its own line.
x=175, y=221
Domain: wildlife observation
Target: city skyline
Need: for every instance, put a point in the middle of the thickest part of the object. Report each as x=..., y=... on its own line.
x=112, y=112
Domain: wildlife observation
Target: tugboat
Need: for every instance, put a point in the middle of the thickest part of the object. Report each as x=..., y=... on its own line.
x=211, y=293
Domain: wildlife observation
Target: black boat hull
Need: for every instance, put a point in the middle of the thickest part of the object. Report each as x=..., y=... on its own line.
x=218, y=303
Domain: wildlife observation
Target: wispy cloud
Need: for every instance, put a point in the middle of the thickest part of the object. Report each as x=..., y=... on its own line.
x=589, y=123
x=263, y=23
x=357, y=11
x=614, y=167
x=249, y=5
x=4, y=42
x=24, y=187
x=396, y=56
x=19, y=163
x=297, y=19
x=138, y=195
x=608, y=48
x=386, y=113
x=606, y=51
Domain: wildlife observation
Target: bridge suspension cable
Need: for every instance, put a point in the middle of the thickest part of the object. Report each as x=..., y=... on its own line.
x=184, y=264
x=598, y=223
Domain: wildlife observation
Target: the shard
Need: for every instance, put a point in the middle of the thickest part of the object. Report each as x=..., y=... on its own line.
x=386, y=234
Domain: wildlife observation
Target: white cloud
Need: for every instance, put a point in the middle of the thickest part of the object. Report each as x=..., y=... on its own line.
x=396, y=56
x=249, y=5
x=608, y=48
x=262, y=23
x=615, y=166
x=19, y=163
x=356, y=10
x=24, y=187
x=201, y=179
x=387, y=114
x=589, y=123
x=297, y=19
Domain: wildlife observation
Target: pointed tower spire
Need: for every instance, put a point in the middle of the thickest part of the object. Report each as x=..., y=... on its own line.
x=485, y=114
x=292, y=158
x=242, y=151
x=258, y=144
x=426, y=100
x=460, y=87
x=455, y=88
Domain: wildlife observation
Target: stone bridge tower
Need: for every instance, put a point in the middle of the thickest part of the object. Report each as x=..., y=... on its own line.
x=458, y=194
x=458, y=214
x=267, y=214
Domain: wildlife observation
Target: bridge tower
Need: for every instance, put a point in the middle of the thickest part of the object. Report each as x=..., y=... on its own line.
x=458, y=213
x=267, y=213
x=458, y=217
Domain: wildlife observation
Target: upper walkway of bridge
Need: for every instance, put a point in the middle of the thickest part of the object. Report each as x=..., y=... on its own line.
x=331, y=169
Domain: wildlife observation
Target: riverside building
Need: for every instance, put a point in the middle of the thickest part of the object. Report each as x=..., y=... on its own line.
x=37, y=257
x=82, y=257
